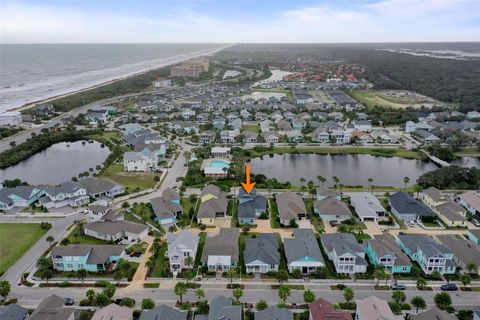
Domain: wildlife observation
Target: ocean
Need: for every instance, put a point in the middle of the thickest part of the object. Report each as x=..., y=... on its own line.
x=32, y=72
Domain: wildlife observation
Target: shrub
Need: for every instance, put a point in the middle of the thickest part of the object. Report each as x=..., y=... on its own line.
x=84, y=303
x=64, y=284
x=102, y=283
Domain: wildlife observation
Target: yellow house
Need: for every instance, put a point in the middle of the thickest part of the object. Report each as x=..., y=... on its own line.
x=213, y=205
x=452, y=214
x=432, y=197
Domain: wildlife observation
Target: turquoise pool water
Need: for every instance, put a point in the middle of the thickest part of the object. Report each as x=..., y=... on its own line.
x=218, y=164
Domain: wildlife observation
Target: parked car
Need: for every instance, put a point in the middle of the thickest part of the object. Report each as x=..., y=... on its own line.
x=69, y=302
x=333, y=223
x=396, y=286
x=476, y=223
x=449, y=287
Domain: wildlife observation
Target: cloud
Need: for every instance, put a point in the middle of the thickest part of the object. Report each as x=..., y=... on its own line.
x=341, y=21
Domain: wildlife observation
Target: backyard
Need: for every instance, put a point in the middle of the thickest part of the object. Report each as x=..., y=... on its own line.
x=132, y=181
x=25, y=235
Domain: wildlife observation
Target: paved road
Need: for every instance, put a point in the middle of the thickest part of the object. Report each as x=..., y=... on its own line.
x=59, y=226
x=31, y=297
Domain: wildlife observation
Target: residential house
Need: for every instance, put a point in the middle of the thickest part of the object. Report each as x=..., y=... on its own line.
x=284, y=126
x=465, y=251
x=367, y=206
x=341, y=136
x=92, y=258
x=337, y=116
x=130, y=128
x=345, y=252
x=228, y=136
x=452, y=214
x=276, y=116
x=362, y=125
x=182, y=250
x=382, y=137
x=331, y=209
x=473, y=115
x=298, y=124
x=223, y=309
x=426, y=137
x=207, y=137
x=274, y=313
x=321, y=309
x=361, y=137
x=407, y=208
x=21, y=196
x=236, y=124
x=96, y=212
x=220, y=252
x=187, y=114
x=474, y=235
x=372, y=308
x=261, y=254
x=219, y=123
x=294, y=136
x=288, y=115
x=251, y=206
x=324, y=193
x=167, y=208
x=266, y=126
x=10, y=118
x=383, y=251
x=250, y=137
x=303, y=252
x=220, y=152
x=118, y=230
x=428, y=253
x=102, y=187
x=140, y=161
x=13, y=311
x=470, y=200
x=271, y=137
x=69, y=193
x=163, y=312
x=53, y=308
x=113, y=312
x=290, y=207
x=432, y=197
x=213, y=205
x=321, y=136
x=433, y=313
x=411, y=126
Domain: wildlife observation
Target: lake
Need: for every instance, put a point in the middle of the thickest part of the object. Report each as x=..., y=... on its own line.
x=351, y=169
x=467, y=162
x=58, y=163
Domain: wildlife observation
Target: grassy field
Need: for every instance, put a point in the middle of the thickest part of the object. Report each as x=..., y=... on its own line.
x=106, y=135
x=251, y=127
x=76, y=237
x=25, y=235
x=132, y=181
x=383, y=152
x=469, y=152
x=371, y=98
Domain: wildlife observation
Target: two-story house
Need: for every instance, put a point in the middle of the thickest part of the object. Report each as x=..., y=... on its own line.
x=182, y=249
x=383, y=251
x=345, y=252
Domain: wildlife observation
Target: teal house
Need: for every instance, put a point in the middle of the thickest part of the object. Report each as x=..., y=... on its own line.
x=93, y=258
x=383, y=251
x=474, y=235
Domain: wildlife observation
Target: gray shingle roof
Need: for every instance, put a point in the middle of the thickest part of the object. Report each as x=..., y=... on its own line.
x=208, y=209
x=98, y=185
x=331, y=206
x=221, y=309
x=404, y=203
x=274, y=313
x=52, y=308
x=115, y=227
x=386, y=245
x=96, y=253
x=249, y=203
x=263, y=248
x=427, y=244
x=304, y=244
x=163, y=312
x=290, y=205
x=13, y=312
x=341, y=242
x=225, y=243
x=466, y=251
x=164, y=209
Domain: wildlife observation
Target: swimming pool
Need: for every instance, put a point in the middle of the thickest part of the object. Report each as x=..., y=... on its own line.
x=218, y=164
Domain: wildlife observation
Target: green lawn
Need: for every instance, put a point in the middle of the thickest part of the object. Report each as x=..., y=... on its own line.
x=25, y=236
x=251, y=127
x=75, y=237
x=132, y=181
x=201, y=244
x=314, y=218
x=161, y=267
x=274, y=220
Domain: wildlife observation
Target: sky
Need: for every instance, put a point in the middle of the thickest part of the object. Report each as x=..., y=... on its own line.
x=238, y=21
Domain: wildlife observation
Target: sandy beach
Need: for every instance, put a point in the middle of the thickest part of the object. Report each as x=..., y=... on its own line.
x=168, y=61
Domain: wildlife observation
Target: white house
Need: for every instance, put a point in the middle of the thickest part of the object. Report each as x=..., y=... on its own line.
x=10, y=118
x=181, y=246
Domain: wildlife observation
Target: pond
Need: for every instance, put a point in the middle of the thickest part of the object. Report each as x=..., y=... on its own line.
x=231, y=74
x=277, y=75
x=351, y=169
x=58, y=163
x=467, y=162
x=264, y=94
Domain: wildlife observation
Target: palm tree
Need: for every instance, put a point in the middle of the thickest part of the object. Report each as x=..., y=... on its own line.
x=370, y=180
x=200, y=293
x=417, y=189
x=50, y=240
x=471, y=267
x=189, y=261
x=321, y=180
x=180, y=290
x=81, y=274
x=418, y=302
x=466, y=279
x=406, y=180
x=421, y=283
x=335, y=180
x=283, y=293
x=302, y=181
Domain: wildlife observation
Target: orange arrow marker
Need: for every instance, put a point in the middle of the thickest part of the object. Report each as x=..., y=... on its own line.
x=248, y=186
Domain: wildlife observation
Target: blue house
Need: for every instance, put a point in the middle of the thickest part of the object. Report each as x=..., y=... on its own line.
x=251, y=206
x=236, y=124
x=21, y=196
x=383, y=251
x=218, y=123
x=93, y=258
x=167, y=207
